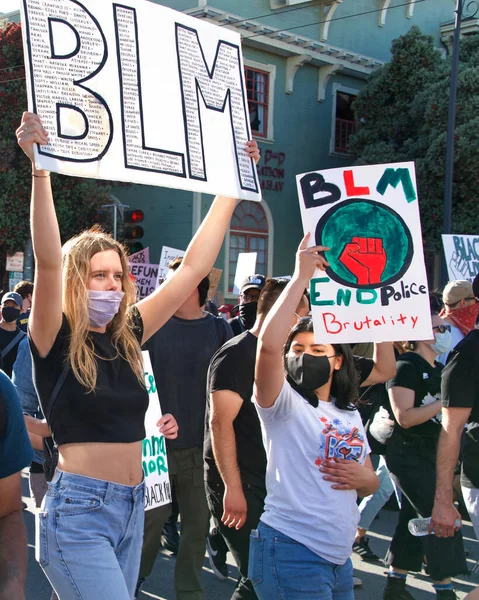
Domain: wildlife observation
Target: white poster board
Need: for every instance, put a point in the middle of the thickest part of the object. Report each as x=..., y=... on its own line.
x=15, y=262
x=154, y=459
x=375, y=289
x=114, y=110
x=167, y=255
x=146, y=276
x=245, y=267
x=462, y=256
x=140, y=257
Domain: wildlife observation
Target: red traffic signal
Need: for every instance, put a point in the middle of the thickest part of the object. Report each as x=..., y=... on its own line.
x=134, y=216
x=131, y=230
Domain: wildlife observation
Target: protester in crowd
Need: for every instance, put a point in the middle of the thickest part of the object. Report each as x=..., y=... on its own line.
x=15, y=454
x=225, y=311
x=25, y=289
x=302, y=546
x=460, y=402
x=10, y=333
x=411, y=456
x=248, y=304
x=180, y=354
x=86, y=326
x=460, y=311
x=22, y=378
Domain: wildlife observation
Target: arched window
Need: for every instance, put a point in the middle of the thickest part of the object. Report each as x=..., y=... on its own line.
x=248, y=233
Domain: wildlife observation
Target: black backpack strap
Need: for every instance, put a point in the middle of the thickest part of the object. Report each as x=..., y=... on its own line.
x=58, y=386
x=49, y=447
x=16, y=340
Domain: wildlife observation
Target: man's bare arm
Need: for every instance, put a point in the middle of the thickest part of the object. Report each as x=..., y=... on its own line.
x=13, y=540
x=225, y=406
x=444, y=514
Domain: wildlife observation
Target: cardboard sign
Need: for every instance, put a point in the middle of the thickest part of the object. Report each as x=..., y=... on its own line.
x=215, y=277
x=245, y=267
x=15, y=262
x=154, y=459
x=141, y=257
x=145, y=278
x=114, y=111
x=376, y=287
x=167, y=255
x=462, y=256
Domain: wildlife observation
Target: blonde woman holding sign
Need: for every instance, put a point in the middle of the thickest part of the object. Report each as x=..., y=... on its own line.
x=85, y=328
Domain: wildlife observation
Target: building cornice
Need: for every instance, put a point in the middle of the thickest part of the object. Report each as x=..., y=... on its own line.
x=289, y=45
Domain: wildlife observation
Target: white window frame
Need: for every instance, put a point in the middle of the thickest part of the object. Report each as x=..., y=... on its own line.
x=271, y=69
x=338, y=87
x=226, y=272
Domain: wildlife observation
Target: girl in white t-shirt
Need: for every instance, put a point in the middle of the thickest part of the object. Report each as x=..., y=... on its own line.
x=317, y=453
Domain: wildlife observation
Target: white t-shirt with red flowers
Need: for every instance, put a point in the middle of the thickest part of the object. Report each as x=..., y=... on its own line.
x=298, y=438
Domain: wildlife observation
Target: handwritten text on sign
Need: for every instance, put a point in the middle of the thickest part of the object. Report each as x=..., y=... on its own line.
x=375, y=288
x=114, y=111
x=145, y=278
x=462, y=256
x=154, y=460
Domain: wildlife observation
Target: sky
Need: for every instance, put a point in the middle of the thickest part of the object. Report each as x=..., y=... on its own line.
x=7, y=6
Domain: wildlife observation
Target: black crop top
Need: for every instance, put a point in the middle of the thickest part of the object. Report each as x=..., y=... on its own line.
x=114, y=412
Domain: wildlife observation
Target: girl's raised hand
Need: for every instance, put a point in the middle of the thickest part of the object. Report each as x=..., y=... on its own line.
x=31, y=132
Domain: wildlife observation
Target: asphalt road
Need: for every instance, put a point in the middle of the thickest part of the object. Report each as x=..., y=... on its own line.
x=160, y=585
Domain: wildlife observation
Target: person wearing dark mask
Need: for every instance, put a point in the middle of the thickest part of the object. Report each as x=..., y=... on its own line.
x=10, y=334
x=415, y=395
x=317, y=454
x=248, y=304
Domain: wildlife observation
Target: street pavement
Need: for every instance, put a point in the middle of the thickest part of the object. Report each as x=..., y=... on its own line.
x=160, y=585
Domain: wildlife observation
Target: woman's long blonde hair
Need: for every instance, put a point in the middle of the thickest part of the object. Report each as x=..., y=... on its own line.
x=77, y=253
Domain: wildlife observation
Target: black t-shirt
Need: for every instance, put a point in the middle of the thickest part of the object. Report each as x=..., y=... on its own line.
x=5, y=338
x=180, y=355
x=232, y=368
x=415, y=373
x=114, y=412
x=460, y=389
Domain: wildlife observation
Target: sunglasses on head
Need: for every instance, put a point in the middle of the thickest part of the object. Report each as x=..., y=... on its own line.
x=442, y=328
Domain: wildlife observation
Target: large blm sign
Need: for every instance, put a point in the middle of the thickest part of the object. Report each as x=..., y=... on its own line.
x=138, y=92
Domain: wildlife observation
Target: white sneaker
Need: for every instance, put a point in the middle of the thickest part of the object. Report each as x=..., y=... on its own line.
x=357, y=582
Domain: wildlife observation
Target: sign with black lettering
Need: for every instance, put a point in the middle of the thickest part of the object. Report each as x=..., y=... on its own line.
x=138, y=92
x=462, y=256
x=153, y=456
x=375, y=288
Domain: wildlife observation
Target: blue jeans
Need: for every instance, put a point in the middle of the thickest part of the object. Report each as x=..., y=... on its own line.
x=89, y=537
x=371, y=505
x=281, y=568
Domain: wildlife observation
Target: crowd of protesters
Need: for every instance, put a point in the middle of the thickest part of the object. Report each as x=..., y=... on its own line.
x=269, y=433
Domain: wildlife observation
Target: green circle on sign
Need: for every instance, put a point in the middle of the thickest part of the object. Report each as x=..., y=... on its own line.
x=359, y=218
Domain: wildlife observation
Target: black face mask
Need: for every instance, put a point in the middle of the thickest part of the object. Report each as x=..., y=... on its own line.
x=10, y=313
x=247, y=313
x=308, y=372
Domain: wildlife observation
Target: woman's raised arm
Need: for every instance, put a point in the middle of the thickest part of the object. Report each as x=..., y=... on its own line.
x=46, y=315
x=269, y=373
x=197, y=263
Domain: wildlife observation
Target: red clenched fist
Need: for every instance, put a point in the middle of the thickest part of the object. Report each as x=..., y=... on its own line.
x=365, y=258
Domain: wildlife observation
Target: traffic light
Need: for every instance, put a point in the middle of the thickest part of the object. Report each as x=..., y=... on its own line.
x=100, y=219
x=131, y=230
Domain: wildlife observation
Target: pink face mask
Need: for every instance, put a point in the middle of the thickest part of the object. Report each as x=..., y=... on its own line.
x=103, y=306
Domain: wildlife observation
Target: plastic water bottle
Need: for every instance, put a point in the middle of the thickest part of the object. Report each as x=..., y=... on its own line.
x=420, y=527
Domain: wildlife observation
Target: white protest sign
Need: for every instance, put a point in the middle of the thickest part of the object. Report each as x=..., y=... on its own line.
x=462, y=256
x=154, y=460
x=113, y=110
x=142, y=257
x=145, y=278
x=376, y=287
x=14, y=262
x=167, y=255
x=245, y=267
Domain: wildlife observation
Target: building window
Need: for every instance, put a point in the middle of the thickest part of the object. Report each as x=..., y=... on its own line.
x=248, y=233
x=344, y=123
x=257, y=90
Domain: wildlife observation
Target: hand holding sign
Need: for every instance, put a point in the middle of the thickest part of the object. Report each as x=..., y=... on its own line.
x=365, y=258
x=168, y=426
x=309, y=259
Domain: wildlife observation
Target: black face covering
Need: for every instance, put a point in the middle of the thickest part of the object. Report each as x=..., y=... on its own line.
x=10, y=313
x=247, y=314
x=308, y=372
